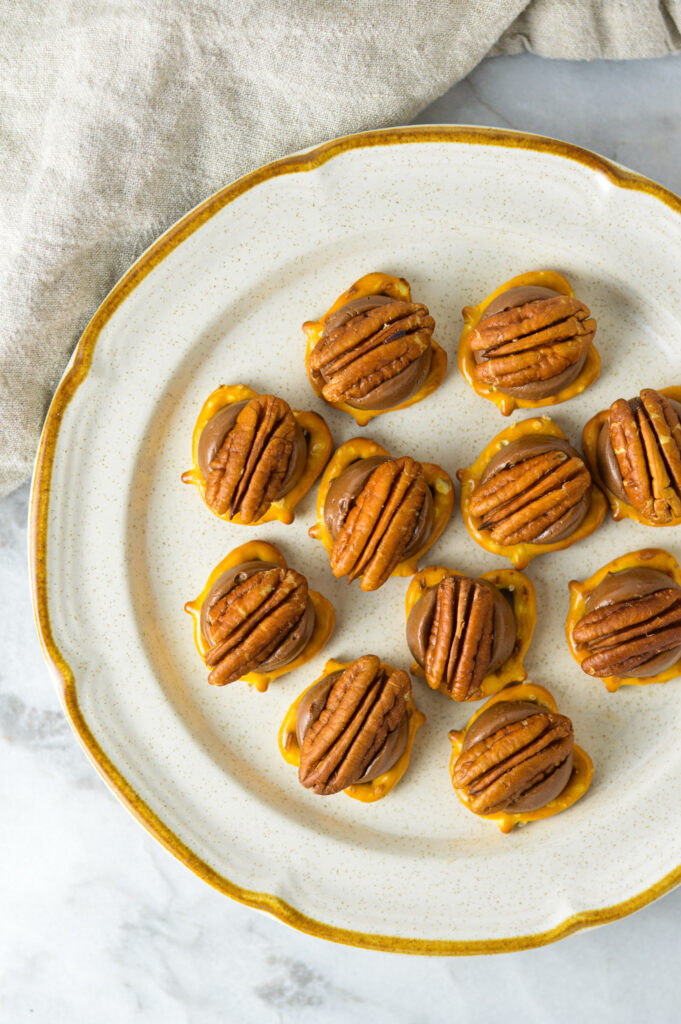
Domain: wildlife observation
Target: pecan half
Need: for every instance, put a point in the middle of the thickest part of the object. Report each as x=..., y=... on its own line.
x=250, y=624
x=252, y=463
x=379, y=342
x=532, y=343
x=518, y=766
x=459, y=650
x=379, y=527
x=363, y=709
x=537, y=492
x=645, y=435
x=622, y=638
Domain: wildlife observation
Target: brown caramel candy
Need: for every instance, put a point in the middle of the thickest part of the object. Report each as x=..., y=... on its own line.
x=535, y=489
x=375, y=352
x=379, y=511
x=632, y=625
x=531, y=342
x=352, y=726
x=251, y=454
x=255, y=618
x=459, y=632
x=639, y=455
x=517, y=756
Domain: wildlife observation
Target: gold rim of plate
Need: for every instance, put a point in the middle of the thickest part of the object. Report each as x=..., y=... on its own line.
x=39, y=510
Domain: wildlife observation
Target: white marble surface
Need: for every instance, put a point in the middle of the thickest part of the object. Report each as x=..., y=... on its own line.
x=98, y=923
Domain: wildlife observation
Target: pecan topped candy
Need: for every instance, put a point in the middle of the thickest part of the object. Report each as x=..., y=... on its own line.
x=529, y=343
x=634, y=450
x=352, y=730
x=256, y=618
x=529, y=492
x=469, y=636
x=376, y=514
x=516, y=760
x=624, y=623
x=374, y=350
x=254, y=457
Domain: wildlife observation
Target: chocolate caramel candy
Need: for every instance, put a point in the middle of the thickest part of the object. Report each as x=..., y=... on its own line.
x=345, y=490
x=639, y=455
x=250, y=454
x=313, y=704
x=516, y=757
x=534, y=489
x=532, y=342
x=256, y=617
x=632, y=624
x=375, y=352
x=368, y=541
x=459, y=632
x=352, y=726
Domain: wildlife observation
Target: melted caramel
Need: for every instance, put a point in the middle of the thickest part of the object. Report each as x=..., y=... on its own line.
x=440, y=485
x=396, y=288
x=620, y=509
x=522, y=554
x=319, y=447
x=367, y=792
x=651, y=558
x=507, y=403
x=261, y=551
x=582, y=771
x=522, y=592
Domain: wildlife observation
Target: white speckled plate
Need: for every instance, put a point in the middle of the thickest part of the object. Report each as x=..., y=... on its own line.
x=119, y=544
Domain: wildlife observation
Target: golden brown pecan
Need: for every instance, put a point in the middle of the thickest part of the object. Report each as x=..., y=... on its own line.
x=622, y=637
x=371, y=349
x=362, y=710
x=539, y=498
x=379, y=527
x=250, y=624
x=645, y=435
x=252, y=462
x=459, y=648
x=502, y=769
x=532, y=343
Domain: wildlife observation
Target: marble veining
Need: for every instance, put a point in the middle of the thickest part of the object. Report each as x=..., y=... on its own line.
x=98, y=923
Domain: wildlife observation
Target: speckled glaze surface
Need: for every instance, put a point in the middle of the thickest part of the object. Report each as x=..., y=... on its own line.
x=119, y=544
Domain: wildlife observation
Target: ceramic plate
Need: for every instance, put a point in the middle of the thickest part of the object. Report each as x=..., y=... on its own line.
x=120, y=544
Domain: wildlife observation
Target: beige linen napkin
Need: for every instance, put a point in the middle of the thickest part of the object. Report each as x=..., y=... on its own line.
x=116, y=117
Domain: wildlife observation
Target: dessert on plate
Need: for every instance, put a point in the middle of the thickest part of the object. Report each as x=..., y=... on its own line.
x=374, y=351
x=352, y=729
x=376, y=515
x=529, y=492
x=624, y=622
x=516, y=760
x=529, y=343
x=469, y=636
x=256, y=619
x=254, y=457
x=634, y=452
